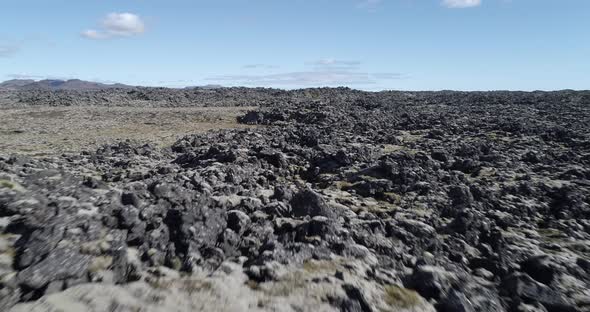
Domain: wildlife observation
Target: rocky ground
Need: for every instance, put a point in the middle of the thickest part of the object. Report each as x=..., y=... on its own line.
x=331, y=199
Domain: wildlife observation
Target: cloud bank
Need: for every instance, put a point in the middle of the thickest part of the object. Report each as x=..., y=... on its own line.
x=461, y=4
x=24, y=76
x=117, y=25
x=259, y=66
x=8, y=50
x=323, y=72
x=370, y=5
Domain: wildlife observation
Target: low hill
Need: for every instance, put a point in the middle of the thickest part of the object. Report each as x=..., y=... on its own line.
x=56, y=84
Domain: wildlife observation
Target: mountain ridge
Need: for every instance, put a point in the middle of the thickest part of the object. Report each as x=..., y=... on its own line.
x=59, y=84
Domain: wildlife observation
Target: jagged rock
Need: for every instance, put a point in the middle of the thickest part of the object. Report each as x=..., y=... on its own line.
x=460, y=195
x=520, y=288
x=540, y=268
x=455, y=301
x=309, y=203
x=237, y=221
x=359, y=301
x=60, y=264
x=130, y=199
x=430, y=281
x=126, y=265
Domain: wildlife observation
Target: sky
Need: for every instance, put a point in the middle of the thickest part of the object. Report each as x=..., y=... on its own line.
x=362, y=44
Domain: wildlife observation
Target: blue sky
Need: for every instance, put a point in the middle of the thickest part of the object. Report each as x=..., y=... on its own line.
x=363, y=44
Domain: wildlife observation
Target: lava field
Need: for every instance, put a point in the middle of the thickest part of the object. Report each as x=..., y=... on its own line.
x=329, y=200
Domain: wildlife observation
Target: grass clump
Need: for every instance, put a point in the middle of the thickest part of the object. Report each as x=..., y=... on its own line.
x=192, y=285
x=550, y=235
x=401, y=297
x=549, y=232
x=286, y=286
x=252, y=284
x=343, y=185
x=188, y=285
x=159, y=283
x=7, y=245
x=392, y=198
x=312, y=266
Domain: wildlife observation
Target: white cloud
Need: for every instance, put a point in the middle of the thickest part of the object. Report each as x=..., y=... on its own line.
x=8, y=50
x=123, y=24
x=370, y=5
x=117, y=25
x=94, y=34
x=459, y=4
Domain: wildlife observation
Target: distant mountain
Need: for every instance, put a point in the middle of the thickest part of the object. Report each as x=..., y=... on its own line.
x=206, y=87
x=15, y=83
x=54, y=84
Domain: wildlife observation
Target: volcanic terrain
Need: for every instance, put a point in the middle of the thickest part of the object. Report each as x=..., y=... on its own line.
x=235, y=199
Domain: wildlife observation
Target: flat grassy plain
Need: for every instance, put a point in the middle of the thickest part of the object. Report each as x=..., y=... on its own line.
x=50, y=130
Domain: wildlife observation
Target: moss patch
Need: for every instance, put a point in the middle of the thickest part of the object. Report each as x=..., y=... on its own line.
x=393, y=198
x=549, y=232
x=176, y=264
x=401, y=297
x=252, y=284
x=365, y=177
x=7, y=184
x=100, y=263
x=550, y=235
